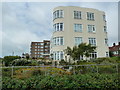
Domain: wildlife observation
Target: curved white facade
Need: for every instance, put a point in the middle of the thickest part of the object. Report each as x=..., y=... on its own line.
x=73, y=25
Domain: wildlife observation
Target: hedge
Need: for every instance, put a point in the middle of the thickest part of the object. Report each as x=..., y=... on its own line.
x=64, y=82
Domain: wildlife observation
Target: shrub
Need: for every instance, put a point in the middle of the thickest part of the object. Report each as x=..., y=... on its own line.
x=28, y=72
x=6, y=72
x=64, y=82
x=104, y=60
x=24, y=62
x=8, y=59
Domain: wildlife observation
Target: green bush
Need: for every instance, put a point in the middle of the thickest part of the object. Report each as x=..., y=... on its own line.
x=24, y=62
x=64, y=82
x=6, y=72
x=8, y=59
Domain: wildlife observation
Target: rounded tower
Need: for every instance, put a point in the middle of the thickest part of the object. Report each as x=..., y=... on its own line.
x=74, y=25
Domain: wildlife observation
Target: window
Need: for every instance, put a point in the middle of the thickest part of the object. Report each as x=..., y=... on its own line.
x=61, y=26
x=77, y=14
x=35, y=49
x=35, y=43
x=78, y=40
x=40, y=56
x=35, y=55
x=54, y=41
x=90, y=16
x=46, y=49
x=46, y=46
x=48, y=42
x=35, y=46
x=41, y=50
x=38, y=43
x=78, y=27
x=61, y=40
x=92, y=41
x=107, y=54
x=93, y=55
x=105, y=29
x=41, y=47
x=58, y=27
x=58, y=41
x=58, y=55
x=104, y=17
x=91, y=28
x=54, y=56
x=58, y=14
x=61, y=55
x=106, y=41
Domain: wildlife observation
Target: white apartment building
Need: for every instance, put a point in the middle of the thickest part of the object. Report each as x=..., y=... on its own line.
x=73, y=25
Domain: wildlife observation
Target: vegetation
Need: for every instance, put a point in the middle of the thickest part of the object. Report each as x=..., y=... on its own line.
x=63, y=62
x=64, y=82
x=24, y=62
x=79, y=51
x=56, y=78
x=86, y=75
x=8, y=59
x=28, y=72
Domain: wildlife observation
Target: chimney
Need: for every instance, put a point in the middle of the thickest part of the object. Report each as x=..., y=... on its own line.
x=113, y=44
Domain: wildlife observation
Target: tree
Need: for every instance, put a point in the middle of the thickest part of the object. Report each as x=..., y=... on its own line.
x=79, y=51
x=85, y=49
x=8, y=59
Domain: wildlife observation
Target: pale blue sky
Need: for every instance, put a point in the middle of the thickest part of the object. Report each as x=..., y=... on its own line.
x=26, y=22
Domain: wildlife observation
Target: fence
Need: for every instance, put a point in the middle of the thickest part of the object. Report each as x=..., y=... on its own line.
x=59, y=70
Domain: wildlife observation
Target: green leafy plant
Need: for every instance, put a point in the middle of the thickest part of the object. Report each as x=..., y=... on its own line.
x=90, y=80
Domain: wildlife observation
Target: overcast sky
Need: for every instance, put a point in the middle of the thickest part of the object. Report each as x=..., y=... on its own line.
x=23, y=23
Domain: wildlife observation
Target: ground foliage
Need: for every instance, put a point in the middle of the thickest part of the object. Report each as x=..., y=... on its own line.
x=64, y=82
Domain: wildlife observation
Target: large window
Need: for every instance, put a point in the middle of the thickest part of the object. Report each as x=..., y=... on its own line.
x=93, y=55
x=78, y=27
x=58, y=27
x=105, y=29
x=58, y=41
x=77, y=14
x=106, y=41
x=58, y=55
x=78, y=40
x=90, y=16
x=92, y=41
x=91, y=28
x=58, y=14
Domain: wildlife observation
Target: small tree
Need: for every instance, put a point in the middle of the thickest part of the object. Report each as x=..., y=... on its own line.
x=79, y=51
x=8, y=59
x=85, y=49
